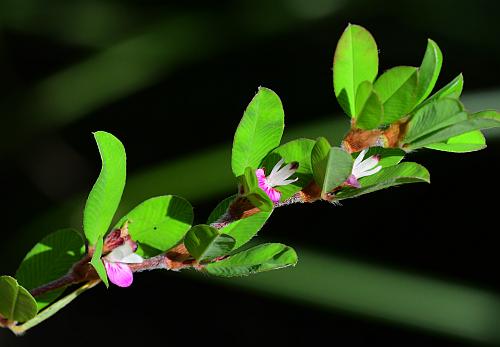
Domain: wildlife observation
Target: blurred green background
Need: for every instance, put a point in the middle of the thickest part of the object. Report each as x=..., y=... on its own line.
x=412, y=266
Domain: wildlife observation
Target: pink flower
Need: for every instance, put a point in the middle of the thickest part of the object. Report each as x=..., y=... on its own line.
x=279, y=176
x=363, y=168
x=116, y=262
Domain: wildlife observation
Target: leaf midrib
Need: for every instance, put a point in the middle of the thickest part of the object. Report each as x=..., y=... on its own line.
x=14, y=302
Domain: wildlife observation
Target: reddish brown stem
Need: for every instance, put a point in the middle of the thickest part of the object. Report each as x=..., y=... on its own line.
x=62, y=282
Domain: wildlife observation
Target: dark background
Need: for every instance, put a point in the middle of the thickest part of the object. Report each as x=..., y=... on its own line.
x=171, y=80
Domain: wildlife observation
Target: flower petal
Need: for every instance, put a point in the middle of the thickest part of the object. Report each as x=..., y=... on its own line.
x=353, y=182
x=260, y=174
x=359, y=158
x=273, y=194
x=119, y=253
x=119, y=274
x=132, y=259
x=287, y=182
x=370, y=172
x=280, y=177
x=277, y=167
x=365, y=165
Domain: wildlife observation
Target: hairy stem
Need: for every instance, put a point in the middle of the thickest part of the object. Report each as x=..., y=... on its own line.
x=62, y=282
x=175, y=259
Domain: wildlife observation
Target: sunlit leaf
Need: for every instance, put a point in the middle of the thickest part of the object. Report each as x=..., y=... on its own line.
x=105, y=196
x=97, y=262
x=243, y=230
x=48, y=260
x=265, y=257
x=355, y=61
x=475, y=121
x=259, y=131
x=159, y=223
x=468, y=142
x=429, y=71
x=451, y=90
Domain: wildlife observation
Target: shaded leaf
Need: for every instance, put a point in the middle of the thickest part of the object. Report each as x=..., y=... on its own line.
x=319, y=160
x=48, y=260
x=434, y=116
x=105, y=196
x=259, y=131
x=265, y=257
x=370, y=111
x=331, y=165
x=355, y=61
x=16, y=303
x=220, y=209
x=253, y=192
x=206, y=243
x=397, y=91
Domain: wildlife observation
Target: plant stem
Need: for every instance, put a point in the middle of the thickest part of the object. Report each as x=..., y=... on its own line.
x=52, y=309
x=175, y=259
x=61, y=282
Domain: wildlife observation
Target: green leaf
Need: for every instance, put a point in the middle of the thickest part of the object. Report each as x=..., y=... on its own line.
x=206, y=243
x=220, y=209
x=253, y=192
x=159, y=223
x=259, y=131
x=397, y=91
x=370, y=111
x=476, y=121
x=429, y=70
x=294, y=151
x=403, y=173
x=355, y=61
x=339, y=168
x=319, y=160
x=451, y=90
x=97, y=261
x=105, y=196
x=16, y=303
x=468, y=142
x=331, y=165
x=265, y=257
x=48, y=260
x=437, y=115
x=244, y=229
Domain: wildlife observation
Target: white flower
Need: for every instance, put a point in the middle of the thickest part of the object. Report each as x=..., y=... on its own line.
x=279, y=176
x=363, y=168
